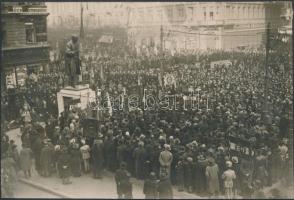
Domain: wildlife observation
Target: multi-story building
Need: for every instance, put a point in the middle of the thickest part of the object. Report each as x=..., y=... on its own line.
x=24, y=41
x=95, y=14
x=201, y=25
x=287, y=17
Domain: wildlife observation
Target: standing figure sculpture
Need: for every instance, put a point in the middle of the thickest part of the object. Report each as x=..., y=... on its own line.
x=72, y=60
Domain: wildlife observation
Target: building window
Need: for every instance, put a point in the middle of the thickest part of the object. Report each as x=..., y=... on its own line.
x=243, y=13
x=238, y=12
x=211, y=15
x=181, y=12
x=248, y=12
x=217, y=10
x=30, y=33
x=190, y=13
x=204, y=9
x=170, y=13
x=233, y=12
x=4, y=38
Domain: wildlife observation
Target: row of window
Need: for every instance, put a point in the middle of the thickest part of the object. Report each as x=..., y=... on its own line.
x=208, y=13
x=245, y=11
x=31, y=35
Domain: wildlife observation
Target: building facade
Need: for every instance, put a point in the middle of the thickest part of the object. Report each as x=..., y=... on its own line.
x=95, y=14
x=201, y=25
x=24, y=41
x=287, y=17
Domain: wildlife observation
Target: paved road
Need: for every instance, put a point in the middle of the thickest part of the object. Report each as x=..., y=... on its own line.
x=85, y=186
x=23, y=190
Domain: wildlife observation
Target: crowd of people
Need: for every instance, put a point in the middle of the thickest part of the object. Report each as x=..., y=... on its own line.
x=186, y=148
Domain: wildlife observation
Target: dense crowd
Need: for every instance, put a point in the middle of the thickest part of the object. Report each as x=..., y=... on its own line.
x=187, y=148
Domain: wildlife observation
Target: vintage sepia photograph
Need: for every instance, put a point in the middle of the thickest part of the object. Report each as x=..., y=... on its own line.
x=147, y=100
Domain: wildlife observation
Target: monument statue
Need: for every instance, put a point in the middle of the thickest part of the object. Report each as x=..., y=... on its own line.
x=72, y=60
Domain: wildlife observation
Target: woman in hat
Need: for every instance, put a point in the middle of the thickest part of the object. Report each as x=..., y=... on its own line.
x=229, y=176
x=150, y=187
x=211, y=173
x=26, y=155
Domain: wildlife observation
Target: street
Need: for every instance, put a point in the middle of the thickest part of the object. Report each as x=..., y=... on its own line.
x=81, y=187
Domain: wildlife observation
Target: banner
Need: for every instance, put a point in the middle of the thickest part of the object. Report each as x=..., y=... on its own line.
x=241, y=147
x=21, y=73
x=10, y=80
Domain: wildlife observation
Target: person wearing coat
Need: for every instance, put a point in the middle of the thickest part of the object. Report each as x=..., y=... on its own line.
x=110, y=152
x=98, y=157
x=9, y=166
x=123, y=184
x=26, y=155
x=150, y=187
x=64, y=165
x=46, y=159
x=165, y=190
x=236, y=168
x=140, y=157
x=75, y=160
x=180, y=174
x=165, y=160
x=200, y=173
x=229, y=176
x=85, y=150
x=211, y=174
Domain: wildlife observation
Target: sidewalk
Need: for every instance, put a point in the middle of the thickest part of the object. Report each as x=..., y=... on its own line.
x=84, y=186
x=87, y=187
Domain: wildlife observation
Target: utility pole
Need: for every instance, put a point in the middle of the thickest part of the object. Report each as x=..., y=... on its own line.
x=161, y=35
x=82, y=23
x=266, y=84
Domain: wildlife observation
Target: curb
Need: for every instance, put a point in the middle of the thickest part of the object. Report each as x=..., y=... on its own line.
x=46, y=189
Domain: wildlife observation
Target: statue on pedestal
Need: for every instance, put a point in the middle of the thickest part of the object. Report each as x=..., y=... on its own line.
x=72, y=60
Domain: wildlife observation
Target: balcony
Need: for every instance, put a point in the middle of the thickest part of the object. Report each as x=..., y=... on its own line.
x=24, y=55
x=25, y=10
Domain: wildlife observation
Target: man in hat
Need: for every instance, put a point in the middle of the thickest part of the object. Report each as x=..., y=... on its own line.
x=64, y=165
x=165, y=160
x=165, y=190
x=98, y=156
x=46, y=159
x=140, y=158
x=123, y=184
x=72, y=60
x=150, y=187
x=75, y=159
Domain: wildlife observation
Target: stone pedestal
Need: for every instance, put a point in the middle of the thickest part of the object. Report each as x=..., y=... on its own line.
x=81, y=94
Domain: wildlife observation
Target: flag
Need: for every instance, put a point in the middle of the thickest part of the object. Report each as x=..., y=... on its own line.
x=160, y=79
x=139, y=80
x=101, y=73
x=109, y=104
